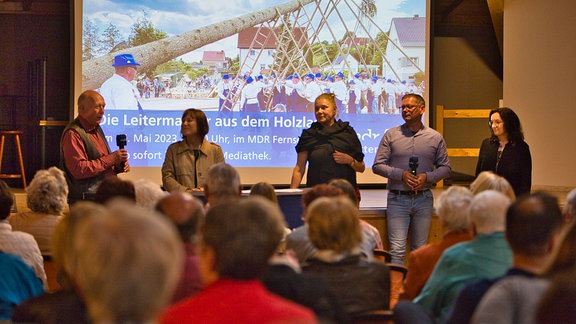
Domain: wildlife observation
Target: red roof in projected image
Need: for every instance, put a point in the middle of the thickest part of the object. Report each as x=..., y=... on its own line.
x=213, y=56
x=411, y=31
x=266, y=39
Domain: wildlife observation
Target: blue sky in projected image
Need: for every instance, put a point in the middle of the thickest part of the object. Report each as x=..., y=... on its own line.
x=176, y=17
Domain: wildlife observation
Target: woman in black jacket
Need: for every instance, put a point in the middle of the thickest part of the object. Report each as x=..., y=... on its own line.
x=505, y=152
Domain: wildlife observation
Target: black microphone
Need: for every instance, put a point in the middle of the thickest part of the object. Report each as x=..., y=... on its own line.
x=121, y=142
x=413, y=164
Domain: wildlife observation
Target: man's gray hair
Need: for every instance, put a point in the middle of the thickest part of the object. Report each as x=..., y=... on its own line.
x=223, y=180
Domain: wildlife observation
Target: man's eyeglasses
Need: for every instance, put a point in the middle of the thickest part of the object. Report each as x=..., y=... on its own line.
x=408, y=107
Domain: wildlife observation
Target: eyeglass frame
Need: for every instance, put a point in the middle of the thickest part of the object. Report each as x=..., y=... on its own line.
x=410, y=107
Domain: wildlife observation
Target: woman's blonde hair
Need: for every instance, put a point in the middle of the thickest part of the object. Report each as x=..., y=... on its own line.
x=488, y=180
x=334, y=224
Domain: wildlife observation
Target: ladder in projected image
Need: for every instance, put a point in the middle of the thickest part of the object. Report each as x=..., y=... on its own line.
x=312, y=38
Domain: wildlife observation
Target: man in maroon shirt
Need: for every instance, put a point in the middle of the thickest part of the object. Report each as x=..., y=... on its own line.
x=84, y=152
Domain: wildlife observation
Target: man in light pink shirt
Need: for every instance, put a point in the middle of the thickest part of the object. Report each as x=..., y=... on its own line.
x=85, y=154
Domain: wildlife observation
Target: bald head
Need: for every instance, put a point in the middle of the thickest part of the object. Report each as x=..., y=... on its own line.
x=184, y=211
x=91, y=107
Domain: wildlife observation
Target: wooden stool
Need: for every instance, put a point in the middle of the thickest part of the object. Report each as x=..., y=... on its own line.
x=16, y=133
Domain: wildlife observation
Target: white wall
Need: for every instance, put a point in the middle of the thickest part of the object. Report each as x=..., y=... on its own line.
x=539, y=84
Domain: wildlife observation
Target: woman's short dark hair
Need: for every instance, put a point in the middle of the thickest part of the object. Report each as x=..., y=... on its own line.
x=511, y=124
x=201, y=121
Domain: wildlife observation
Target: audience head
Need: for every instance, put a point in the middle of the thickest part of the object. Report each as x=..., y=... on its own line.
x=452, y=209
x=347, y=188
x=114, y=187
x=488, y=212
x=265, y=190
x=238, y=238
x=320, y=190
x=569, y=210
x=532, y=224
x=63, y=239
x=127, y=263
x=488, y=180
x=334, y=224
x=6, y=200
x=222, y=183
x=48, y=192
x=148, y=193
x=185, y=211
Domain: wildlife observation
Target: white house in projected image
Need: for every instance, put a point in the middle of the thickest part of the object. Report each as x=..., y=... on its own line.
x=410, y=35
x=257, y=47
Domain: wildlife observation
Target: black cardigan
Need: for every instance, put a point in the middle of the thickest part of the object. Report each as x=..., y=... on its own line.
x=515, y=163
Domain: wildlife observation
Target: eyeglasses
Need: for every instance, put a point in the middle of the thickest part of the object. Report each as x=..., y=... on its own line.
x=495, y=123
x=409, y=107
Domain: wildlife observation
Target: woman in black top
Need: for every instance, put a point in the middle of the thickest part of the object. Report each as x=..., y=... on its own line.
x=505, y=152
x=330, y=147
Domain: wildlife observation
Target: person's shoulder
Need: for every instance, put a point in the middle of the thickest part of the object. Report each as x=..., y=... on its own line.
x=395, y=129
x=521, y=144
x=177, y=146
x=214, y=145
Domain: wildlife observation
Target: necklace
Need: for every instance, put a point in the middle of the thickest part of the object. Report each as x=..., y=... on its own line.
x=499, y=156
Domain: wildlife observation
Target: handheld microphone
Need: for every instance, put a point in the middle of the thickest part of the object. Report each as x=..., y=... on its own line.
x=413, y=164
x=121, y=140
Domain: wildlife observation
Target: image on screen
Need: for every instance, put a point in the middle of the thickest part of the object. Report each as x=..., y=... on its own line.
x=151, y=60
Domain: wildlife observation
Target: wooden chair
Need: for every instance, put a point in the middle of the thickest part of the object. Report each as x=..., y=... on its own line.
x=382, y=255
x=380, y=316
x=51, y=274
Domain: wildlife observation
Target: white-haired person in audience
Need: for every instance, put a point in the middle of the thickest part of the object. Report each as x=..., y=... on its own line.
x=126, y=264
x=487, y=255
x=236, y=242
x=334, y=229
x=64, y=305
x=534, y=225
x=452, y=210
x=47, y=199
x=22, y=244
x=187, y=214
x=515, y=299
x=222, y=184
x=488, y=180
x=148, y=193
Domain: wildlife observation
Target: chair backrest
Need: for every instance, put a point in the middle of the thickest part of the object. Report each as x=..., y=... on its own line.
x=398, y=268
x=379, y=316
x=382, y=255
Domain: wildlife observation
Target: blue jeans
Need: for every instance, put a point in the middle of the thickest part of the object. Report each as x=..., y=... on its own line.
x=408, y=212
